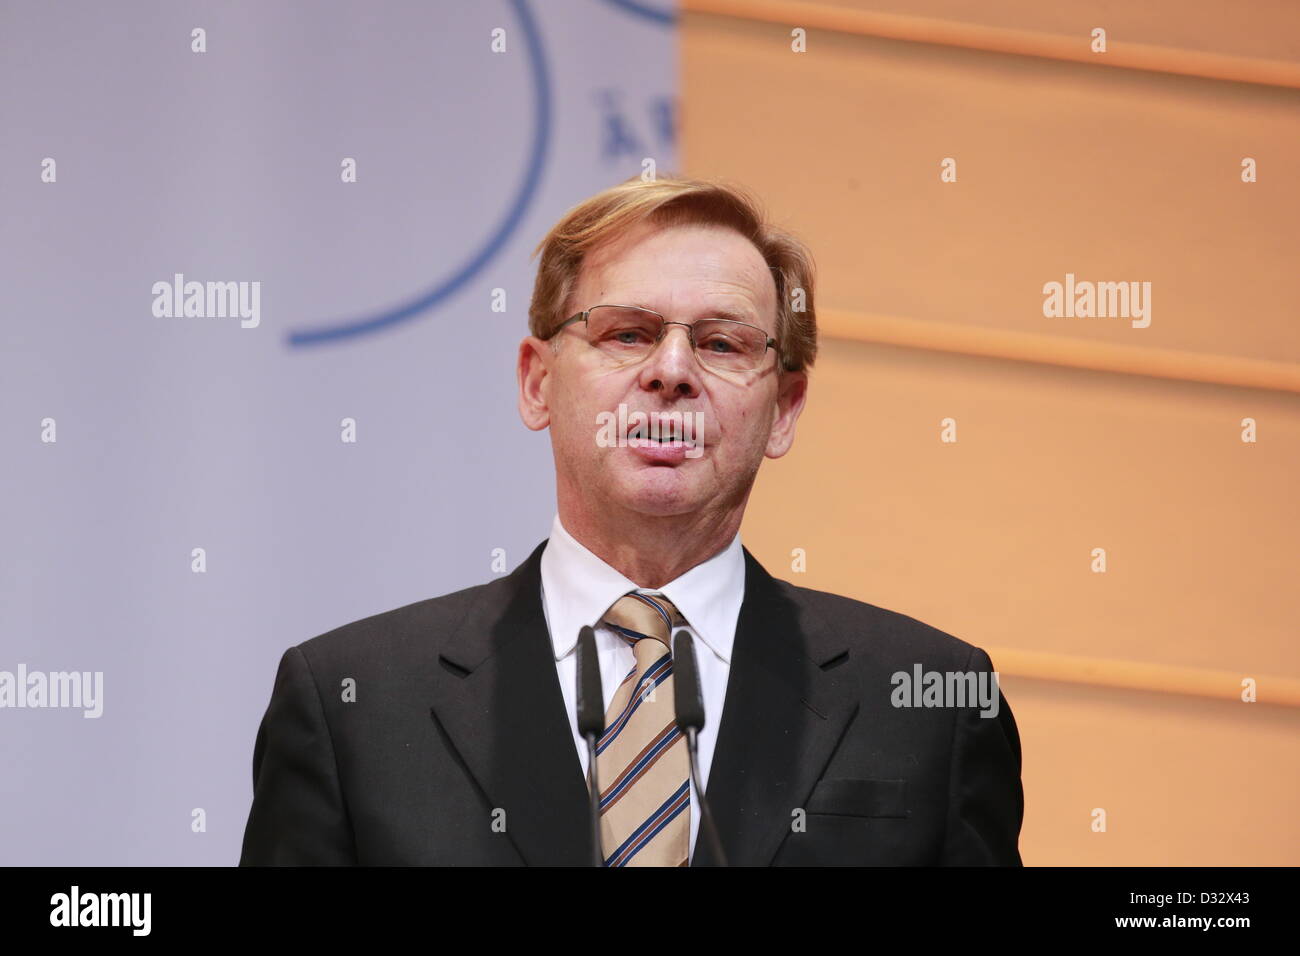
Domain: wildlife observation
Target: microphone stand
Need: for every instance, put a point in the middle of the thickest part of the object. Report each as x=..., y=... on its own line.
x=689, y=703
x=591, y=724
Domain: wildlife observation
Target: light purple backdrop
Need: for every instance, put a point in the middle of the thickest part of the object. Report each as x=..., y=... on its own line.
x=186, y=432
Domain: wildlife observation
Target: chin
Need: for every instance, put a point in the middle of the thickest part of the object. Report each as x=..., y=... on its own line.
x=659, y=491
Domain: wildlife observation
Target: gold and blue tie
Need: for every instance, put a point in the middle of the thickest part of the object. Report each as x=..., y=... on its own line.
x=645, y=799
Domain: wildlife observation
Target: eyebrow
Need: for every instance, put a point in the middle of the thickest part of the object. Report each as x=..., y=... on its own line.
x=722, y=312
x=733, y=315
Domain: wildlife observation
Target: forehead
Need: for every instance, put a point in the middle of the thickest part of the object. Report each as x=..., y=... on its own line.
x=672, y=268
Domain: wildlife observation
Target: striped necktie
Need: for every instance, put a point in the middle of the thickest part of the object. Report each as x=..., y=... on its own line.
x=645, y=799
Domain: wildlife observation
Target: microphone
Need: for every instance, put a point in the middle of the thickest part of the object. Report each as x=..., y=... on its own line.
x=591, y=724
x=689, y=704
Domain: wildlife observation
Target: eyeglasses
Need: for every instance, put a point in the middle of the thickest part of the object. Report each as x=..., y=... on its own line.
x=627, y=334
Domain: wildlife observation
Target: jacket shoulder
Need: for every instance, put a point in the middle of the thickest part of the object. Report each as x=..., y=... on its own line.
x=394, y=635
x=891, y=635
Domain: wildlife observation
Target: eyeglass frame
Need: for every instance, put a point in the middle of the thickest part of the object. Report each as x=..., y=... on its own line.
x=663, y=331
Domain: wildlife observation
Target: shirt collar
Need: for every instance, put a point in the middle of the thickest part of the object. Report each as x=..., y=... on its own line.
x=578, y=587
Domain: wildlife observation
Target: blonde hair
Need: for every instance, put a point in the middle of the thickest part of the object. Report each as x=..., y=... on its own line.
x=672, y=201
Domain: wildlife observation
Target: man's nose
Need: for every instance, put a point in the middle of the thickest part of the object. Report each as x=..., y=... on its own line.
x=672, y=364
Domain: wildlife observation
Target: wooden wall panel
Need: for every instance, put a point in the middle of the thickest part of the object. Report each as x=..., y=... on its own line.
x=1063, y=166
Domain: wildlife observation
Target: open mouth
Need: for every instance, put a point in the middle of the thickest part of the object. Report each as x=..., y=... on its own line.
x=666, y=434
x=636, y=433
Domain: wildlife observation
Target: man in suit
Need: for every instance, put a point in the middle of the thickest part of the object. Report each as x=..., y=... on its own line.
x=671, y=332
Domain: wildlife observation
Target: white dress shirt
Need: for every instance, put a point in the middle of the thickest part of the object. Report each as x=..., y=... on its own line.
x=578, y=588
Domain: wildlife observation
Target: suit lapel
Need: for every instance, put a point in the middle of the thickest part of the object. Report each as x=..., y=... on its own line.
x=498, y=700
x=780, y=723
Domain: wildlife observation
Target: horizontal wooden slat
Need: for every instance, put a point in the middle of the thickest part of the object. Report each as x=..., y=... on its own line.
x=1102, y=356
x=1001, y=39
x=1134, y=675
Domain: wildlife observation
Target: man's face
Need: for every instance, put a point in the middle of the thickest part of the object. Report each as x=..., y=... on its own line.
x=686, y=273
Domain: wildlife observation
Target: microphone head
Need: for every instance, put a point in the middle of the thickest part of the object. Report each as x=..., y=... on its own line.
x=687, y=698
x=591, y=706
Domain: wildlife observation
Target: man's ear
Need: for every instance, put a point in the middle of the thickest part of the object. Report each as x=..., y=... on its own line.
x=534, y=372
x=792, y=391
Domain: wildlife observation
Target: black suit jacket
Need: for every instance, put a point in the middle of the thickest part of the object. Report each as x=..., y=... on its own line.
x=457, y=748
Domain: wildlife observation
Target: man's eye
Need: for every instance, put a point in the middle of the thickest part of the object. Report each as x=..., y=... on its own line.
x=629, y=336
x=718, y=343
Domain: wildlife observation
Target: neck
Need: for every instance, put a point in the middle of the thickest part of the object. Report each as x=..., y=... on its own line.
x=652, y=550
